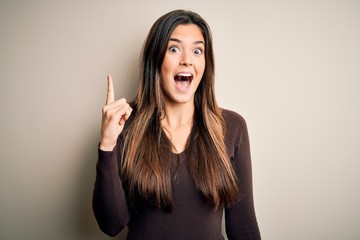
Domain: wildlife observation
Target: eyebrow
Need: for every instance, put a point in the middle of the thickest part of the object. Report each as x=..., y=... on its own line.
x=179, y=41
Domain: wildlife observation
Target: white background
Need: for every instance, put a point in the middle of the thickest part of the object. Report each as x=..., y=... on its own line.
x=290, y=68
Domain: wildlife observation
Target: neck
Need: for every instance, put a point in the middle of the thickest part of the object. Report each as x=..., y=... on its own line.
x=177, y=124
x=179, y=115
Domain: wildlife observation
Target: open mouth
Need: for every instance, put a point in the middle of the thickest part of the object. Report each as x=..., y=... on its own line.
x=183, y=80
x=183, y=77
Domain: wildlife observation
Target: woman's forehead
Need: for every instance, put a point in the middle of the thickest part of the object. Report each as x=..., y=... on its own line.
x=189, y=33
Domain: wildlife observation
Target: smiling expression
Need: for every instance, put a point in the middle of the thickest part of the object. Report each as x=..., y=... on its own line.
x=183, y=65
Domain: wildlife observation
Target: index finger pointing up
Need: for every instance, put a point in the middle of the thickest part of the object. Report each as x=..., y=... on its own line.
x=110, y=91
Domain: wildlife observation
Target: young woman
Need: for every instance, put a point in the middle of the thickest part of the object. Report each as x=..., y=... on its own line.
x=171, y=162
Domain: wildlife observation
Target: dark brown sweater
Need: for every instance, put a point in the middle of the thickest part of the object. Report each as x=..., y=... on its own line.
x=193, y=218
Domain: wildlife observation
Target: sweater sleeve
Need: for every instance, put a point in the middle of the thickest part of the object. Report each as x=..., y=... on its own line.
x=109, y=201
x=240, y=219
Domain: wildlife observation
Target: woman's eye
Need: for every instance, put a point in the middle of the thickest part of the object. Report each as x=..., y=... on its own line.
x=198, y=51
x=174, y=49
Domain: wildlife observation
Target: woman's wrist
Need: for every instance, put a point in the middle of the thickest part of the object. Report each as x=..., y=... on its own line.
x=107, y=147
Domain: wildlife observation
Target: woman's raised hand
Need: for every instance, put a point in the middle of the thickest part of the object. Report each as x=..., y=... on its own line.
x=114, y=115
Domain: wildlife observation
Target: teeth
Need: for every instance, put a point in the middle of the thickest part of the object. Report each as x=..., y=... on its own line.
x=183, y=77
x=185, y=74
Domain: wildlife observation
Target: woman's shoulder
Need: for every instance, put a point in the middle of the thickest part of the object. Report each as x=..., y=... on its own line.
x=233, y=119
x=235, y=130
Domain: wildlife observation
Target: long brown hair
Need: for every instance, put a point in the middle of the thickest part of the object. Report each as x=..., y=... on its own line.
x=146, y=167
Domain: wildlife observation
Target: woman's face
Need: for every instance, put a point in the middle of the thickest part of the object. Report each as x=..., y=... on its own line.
x=183, y=65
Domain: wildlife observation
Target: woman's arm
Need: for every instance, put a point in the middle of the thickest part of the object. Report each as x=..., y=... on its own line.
x=109, y=201
x=240, y=219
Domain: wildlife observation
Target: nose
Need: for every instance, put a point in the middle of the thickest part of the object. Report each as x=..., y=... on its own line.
x=186, y=59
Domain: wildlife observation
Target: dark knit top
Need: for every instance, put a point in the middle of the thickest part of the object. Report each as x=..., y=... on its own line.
x=193, y=218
